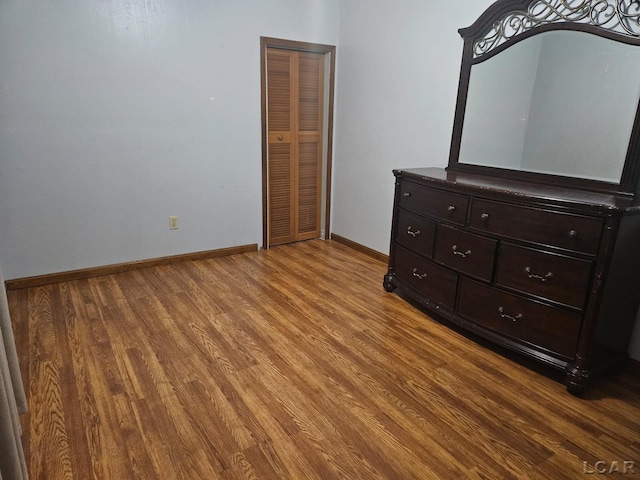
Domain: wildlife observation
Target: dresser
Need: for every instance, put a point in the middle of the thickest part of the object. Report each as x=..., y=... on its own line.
x=529, y=239
x=548, y=272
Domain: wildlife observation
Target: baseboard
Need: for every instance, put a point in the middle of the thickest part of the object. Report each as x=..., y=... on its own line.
x=361, y=248
x=49, y=278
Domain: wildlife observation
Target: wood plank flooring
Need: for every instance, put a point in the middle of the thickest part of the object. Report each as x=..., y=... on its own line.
x=291, y=363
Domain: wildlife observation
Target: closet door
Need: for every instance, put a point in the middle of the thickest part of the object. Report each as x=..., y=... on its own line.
x=294, y=124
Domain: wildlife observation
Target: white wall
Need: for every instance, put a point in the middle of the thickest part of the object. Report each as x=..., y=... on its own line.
x=396, y=94
x=116, y=114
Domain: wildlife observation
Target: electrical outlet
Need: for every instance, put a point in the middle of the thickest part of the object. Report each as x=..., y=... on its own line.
x=173, y=222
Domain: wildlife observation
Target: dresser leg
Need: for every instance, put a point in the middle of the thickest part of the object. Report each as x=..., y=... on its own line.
x=387, y=283
x=577, y=379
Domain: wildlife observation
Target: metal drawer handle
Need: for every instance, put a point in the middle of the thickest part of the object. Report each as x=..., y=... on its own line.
x=451, y=208
x=573, y=233
x=419, y=276
x=484, y=216
x=510, y=317
x=406, y=194
x=455, y=251
x=413, y=233
x=542, y=278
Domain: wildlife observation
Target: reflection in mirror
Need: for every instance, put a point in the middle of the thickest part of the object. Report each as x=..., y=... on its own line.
x=559, y=102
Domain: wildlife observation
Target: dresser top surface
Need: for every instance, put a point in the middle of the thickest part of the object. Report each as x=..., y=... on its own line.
x=536, y=192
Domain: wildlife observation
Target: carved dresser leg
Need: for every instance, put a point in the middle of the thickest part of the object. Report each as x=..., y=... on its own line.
x=577, y=379
x=387, y=283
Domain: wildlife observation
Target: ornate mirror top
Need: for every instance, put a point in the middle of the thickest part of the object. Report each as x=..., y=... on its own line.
x=618, y=16
x=549, y=92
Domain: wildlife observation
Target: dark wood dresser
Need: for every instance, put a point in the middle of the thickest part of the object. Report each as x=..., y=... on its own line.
x=549, y=272
x=530, y=238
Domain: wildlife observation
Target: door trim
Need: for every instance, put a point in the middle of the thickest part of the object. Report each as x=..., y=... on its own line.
x=268, y=42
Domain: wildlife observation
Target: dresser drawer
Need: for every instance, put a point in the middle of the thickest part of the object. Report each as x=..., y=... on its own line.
x=555, y=277
x=440, y=204
x=572, y=232
x=416, y=233
x=466, y=252
x=432, y=281
x=540, y=325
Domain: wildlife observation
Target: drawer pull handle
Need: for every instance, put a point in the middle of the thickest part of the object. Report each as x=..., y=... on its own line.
x=451, y=208
x=455, y=251
x=280, y=137
x=484, y=216
x=573, y=233
x=510, y=317
x=542, y=278
x=419, y=276
x=413, y=233
x=406, y=194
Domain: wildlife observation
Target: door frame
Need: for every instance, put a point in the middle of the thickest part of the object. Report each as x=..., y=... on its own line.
x=269, y=42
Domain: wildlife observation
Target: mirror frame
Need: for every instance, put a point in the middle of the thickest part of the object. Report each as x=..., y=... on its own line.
x=490, y=24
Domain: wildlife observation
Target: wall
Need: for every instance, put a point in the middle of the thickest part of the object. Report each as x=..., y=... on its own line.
x=116, y=114
x=396, y=93
x=397, y=82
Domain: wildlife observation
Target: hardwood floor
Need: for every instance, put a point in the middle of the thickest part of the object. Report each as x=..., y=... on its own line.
x=290, y=363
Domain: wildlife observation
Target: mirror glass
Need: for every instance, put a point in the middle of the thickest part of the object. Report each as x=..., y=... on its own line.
x=561, y=102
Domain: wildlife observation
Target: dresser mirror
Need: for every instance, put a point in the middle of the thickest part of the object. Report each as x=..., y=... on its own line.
x=552, y=89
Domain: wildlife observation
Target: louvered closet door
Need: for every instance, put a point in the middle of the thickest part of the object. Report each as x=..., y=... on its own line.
x=294, y=121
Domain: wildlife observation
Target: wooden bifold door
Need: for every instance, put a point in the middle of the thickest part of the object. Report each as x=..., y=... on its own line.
x=295, y=88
